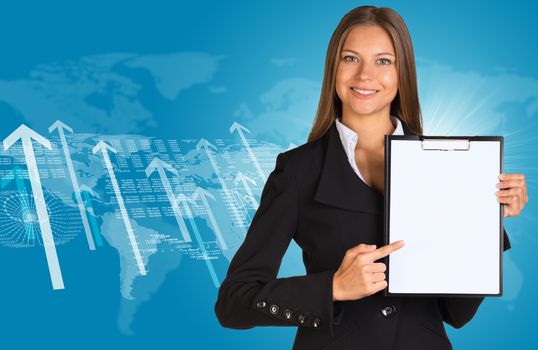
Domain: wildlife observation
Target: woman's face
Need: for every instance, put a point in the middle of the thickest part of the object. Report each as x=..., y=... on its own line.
x=367, y=62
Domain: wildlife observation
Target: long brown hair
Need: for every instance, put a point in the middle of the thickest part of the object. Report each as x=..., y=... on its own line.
x=405, y=104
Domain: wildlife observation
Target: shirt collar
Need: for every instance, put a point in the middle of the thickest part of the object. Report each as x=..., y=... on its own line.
x=349, y=139
x=348, y=136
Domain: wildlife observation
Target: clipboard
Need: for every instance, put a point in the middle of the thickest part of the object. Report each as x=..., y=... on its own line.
x=440, y=199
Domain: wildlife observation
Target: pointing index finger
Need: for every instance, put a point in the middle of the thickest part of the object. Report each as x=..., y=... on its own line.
x=385, y=250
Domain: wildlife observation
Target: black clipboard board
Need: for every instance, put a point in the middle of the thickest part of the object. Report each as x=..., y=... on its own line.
x=436, y=199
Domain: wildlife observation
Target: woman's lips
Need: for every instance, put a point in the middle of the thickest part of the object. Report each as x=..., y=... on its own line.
x=363, y=95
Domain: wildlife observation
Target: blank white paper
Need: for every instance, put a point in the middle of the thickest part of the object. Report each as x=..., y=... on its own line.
x=443, y=205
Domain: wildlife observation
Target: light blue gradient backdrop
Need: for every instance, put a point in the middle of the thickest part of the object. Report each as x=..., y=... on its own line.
x=188, y=70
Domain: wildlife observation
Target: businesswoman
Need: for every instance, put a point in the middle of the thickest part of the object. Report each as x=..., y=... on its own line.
x=327, y=195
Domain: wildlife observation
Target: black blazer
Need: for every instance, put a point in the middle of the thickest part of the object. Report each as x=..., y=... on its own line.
x=314, y=197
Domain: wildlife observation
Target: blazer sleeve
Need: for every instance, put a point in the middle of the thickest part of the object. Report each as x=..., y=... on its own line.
x=458, y=311
x=251, y=295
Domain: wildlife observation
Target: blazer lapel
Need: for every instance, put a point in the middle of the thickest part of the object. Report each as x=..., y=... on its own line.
x=339, y=186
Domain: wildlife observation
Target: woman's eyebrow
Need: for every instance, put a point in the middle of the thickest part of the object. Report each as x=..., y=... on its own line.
x=377, y=54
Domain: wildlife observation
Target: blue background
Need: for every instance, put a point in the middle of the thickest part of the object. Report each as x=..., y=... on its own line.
x=477, y=74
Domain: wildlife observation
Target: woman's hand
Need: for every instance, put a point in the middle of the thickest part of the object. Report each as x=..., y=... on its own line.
x=358, y=275
x=512, y=193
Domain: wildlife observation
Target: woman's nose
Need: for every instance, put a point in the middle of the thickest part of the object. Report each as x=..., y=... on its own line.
x=365, y=70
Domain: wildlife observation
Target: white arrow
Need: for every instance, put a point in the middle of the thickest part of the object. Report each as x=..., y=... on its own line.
x=26, y=135
x=84, y=188
x=240, y=128
x=160, y=166
x=104, y=148
x=207, y=146
x=61, y=126
x=245, y=179
x=181, y=198
x=236, y=215
x=202, y=194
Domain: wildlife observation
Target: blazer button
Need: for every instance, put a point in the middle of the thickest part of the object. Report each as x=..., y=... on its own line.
x=388, y=311
x=316, y=322
x=301, y=318
x=273, y=309
x=288, y=314
x=261, y=304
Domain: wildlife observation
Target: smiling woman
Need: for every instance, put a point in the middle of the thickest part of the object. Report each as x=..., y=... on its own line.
x=327, y=195
x=375, y=45
x=366, y=84
x=366, y=78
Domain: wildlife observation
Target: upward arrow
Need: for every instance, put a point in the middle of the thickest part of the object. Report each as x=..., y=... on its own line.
x=245, y=180
x=26, y=135
x=160, y=166
x=200, y=192
x=181, y=198
x=206, y=144
x=203, y=194
x=58, y=125
x=236, y=126
x=84, y=188
x=236, y=215
x=104, y=148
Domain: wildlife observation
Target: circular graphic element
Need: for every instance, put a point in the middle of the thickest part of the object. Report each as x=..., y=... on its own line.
x=19, y=221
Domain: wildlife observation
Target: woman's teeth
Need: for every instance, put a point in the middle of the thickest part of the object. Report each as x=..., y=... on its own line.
x=364, y=92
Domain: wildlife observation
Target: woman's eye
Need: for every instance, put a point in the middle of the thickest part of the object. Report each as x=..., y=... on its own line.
x=385, y=60
x=350, y=58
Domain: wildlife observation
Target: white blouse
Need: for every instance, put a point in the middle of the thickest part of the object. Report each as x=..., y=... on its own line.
x=349, y=140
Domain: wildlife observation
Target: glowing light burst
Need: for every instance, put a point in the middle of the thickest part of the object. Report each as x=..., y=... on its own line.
x=456, y=103
x=19, y=224
x=470, y=103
